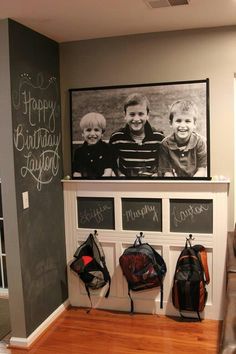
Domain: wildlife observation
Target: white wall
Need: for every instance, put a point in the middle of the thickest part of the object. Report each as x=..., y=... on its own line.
x=161, y=57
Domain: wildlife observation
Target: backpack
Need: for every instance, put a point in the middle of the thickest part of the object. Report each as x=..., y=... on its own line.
x=191, y=275
x=143, y=267
x=90, y=265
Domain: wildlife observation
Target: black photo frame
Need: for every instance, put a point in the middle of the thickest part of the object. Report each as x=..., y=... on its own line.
x=109, y=102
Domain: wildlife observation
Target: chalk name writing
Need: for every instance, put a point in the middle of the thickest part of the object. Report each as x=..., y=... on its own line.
x=189, y=213
x=47, y=161
x=39, y=110
x=96, y=214
x=132, y=215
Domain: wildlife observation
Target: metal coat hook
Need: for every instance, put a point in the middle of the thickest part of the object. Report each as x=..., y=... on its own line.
x=189, y=239
x=139, y=237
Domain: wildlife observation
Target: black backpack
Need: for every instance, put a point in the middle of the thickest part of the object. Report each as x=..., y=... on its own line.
x=90, y=265
x=143, y=267
x=191, y=275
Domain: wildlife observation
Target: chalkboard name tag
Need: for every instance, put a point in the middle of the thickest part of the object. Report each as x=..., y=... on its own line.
x=95, y=213
x=191, y=215
x=142, y=214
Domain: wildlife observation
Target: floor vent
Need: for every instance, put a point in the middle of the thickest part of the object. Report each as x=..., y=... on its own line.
x=155, y=4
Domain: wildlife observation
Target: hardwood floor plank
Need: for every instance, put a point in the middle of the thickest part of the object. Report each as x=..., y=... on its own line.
x=107, y=332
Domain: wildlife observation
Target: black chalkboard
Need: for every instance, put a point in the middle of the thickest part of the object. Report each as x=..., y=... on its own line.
x=191, y=215
x=142, y=214
x=37, y=143
x=95, y=213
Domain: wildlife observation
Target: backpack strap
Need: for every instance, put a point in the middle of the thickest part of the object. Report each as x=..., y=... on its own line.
x=131, y=301
x=94, y=240
x=202, y=256
x=161, y=293
x=89, y=296
x=190, y=318
x=107, y=277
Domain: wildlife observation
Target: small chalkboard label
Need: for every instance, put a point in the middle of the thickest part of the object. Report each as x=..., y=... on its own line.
x=142, y=214
x=95, y=213
x=191, y=215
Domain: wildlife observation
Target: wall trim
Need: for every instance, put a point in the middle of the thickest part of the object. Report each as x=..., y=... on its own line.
x=4, y=293
x=27, y=342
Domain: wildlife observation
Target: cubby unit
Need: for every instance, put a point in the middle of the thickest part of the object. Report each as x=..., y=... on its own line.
x=166, y=212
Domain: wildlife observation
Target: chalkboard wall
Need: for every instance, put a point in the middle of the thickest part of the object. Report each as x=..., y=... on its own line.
x=34, y=70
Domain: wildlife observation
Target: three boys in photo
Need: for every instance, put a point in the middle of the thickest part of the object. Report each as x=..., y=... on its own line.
x=137, y=149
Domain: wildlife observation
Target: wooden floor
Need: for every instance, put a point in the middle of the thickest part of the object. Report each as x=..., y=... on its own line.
x=107, y=332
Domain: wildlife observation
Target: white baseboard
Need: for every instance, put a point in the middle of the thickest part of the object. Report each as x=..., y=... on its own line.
x=4, y=293
x=26, y=342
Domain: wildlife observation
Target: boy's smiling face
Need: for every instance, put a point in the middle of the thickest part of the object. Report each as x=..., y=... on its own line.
x=92, y=134
x=136, y=117
x=183, y=125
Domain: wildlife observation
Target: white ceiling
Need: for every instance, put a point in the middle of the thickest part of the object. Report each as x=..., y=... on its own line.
x=70, y=20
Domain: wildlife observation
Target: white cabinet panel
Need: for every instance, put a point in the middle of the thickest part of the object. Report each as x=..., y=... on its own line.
x=168, y=244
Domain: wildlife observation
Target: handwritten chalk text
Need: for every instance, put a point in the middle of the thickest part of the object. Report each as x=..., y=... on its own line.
x=189, y=213
x=47, y=161
x=132, y=215
x=35, y=136
x=39, y=139
x=39, y=110
x=96, y=214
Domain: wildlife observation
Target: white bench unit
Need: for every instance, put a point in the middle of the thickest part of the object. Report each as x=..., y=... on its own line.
x=169, y=240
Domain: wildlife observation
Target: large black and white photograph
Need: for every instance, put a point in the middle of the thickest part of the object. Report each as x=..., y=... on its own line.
x=141, y=131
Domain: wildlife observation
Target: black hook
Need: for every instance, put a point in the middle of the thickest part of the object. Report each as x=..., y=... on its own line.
x=139, y=237
x=189, y=239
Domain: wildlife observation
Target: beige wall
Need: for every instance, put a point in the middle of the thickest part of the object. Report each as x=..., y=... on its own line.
x=161, y=57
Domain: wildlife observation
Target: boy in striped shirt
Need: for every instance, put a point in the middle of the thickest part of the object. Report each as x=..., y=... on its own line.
x=137, y=144
x=183, y=153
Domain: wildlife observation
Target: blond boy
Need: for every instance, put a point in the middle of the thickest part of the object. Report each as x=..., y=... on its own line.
x=183, y=153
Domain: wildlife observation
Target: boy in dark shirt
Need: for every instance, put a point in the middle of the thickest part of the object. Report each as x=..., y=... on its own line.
x=94, y=158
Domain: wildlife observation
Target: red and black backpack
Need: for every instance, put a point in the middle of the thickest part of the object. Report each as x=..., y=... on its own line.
x=143, y=267
x=189, y=292
x=90, y=265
